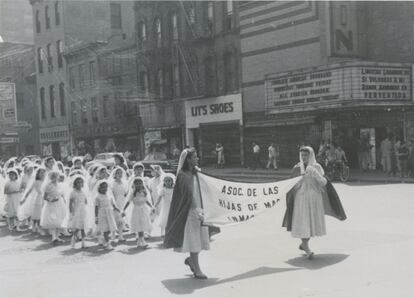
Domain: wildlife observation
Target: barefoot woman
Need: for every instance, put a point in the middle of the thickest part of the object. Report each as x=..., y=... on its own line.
x=184, y=231
x=308, y=202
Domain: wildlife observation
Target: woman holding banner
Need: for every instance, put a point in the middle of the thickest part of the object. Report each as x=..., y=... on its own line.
x=184, y=231
x=309, y=200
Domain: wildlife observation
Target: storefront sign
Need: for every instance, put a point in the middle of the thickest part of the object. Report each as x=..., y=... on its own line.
x=216, y=109
x=6, y=140
x=54, y=134
x=7, y=103
x=343, y=28
x=339, y=82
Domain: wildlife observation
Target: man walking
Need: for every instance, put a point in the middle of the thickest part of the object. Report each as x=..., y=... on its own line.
x=386, y=148
x=272, y=157
x=256, y=156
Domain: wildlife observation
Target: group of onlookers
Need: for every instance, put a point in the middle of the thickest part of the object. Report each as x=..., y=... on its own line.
x=397, y=156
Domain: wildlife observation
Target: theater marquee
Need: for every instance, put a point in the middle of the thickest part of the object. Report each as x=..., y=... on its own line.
x=338, y=83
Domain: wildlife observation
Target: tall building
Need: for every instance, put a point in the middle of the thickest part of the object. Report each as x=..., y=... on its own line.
x=16, y=21
x=58, y=26
x=19, y=132
x=102, y=88
x=188, y=77
x=316, y=72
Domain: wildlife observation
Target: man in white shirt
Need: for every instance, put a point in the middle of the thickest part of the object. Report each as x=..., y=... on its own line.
x=272, y=156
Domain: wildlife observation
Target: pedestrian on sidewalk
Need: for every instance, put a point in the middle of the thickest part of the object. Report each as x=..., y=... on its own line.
x=305, y=211
x=385, y=149
x=256, y=156
x=402, y=154
x=220, y=155
x=272, y=156
x=185, y=232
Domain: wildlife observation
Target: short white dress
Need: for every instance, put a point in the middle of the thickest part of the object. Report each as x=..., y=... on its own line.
x=119, y=191
x=13, y=200
x=166, y=197
x=308, y=211
x=196, y=237
x=32, y=207
x=54, y=214
x=140, y=217
x=106, y=218
x=79, y=220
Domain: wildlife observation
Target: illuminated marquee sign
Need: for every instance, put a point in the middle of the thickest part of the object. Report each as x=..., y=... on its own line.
x=335, y=83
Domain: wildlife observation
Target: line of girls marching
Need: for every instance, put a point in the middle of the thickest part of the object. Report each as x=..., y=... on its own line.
x=78, y=202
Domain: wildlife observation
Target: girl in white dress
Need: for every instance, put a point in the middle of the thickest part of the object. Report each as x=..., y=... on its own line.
x=78, y=203
x=119, y=189
x=140, y=218
x=154, y=185
x=32, y=202
x=54, y=213
x=13, y=194
x=164, y=199
x=104, y=212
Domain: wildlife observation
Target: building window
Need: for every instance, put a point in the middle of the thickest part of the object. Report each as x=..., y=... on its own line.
x=59, y=50
x=38, y=21
x=42, y=103
x=160, y=83
x=74, y=113
x=228, y=72
x=94, y=107
x=210, y=17
x=106, y=104
x=57, y=13
x=84, y=111
x=81, y=76
x=62, y=99
x=49, y=57
x=40, y=59
x=142, y=32
x=72, y=77
x=116, y=21
x=191, y=14
x=157, y=32
x=175, y=80
x=118, y=107
x=210, y=76
x=229, y=15
x=174, y=26
x=143, y=81
x=52, y=101
x=92, y=72
x=47, y=17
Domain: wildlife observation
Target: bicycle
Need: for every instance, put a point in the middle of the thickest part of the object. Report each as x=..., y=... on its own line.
x=338, y=170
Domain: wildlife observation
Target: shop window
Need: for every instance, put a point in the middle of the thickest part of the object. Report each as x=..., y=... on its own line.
x=95, y=110
x=57, y=13
x=40, y=59
x=158, y=32
x=52, y=101
x=49, y=57
x=74, y=113
x=62, y=99
x=59, y=50
x=47, y=17
x=72, y=77
x=106, y=104
x=42, y=103
x=84, y=111
x=92, y=72
x=116, y=20
x=81, y=76
x=38, y=27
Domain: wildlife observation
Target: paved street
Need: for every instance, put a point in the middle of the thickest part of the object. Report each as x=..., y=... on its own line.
x=369, y=255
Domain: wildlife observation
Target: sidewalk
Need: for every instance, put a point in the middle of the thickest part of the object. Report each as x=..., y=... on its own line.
x=245, y=174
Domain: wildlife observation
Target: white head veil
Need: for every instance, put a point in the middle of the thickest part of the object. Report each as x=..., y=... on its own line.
x=312, y=159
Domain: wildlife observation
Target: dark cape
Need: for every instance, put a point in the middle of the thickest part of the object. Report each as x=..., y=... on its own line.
x=331, y=202
x=180, y=207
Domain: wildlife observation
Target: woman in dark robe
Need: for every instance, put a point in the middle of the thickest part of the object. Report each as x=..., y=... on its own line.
x=185, y=232
x=309, y=201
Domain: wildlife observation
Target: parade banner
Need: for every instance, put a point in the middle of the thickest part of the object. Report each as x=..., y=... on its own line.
x=227, y=202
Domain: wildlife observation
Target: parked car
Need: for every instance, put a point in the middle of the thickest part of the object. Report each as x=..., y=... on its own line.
x=160, y=159
x=106, y=159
